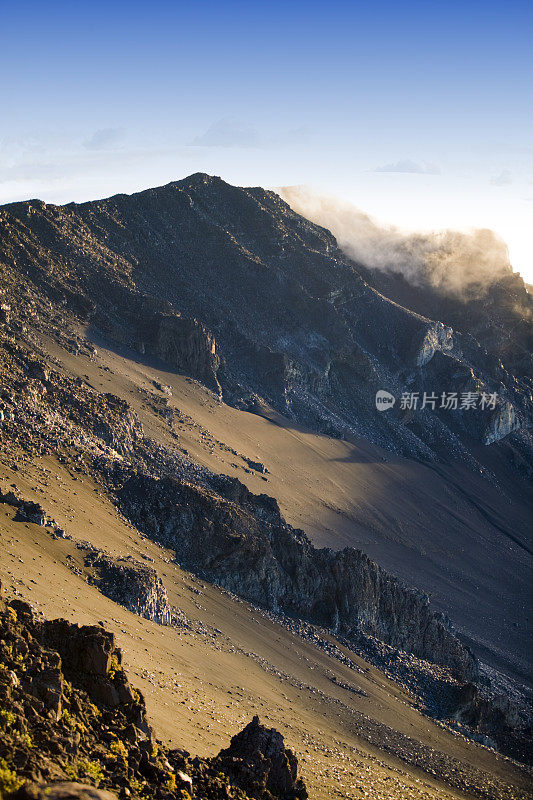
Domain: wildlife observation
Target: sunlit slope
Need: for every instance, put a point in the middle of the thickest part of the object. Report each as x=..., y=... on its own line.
x=348, y=725
x=441, y=528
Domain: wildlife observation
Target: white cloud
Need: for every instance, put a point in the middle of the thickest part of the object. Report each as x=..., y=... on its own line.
x=104, y=139
x=453, y=261
x=407, y=165
x=229, y=132
x=503, y=179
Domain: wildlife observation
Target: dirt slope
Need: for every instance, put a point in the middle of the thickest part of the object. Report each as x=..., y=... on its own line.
x=203, y=684
x=431, y=525
x=353, y=729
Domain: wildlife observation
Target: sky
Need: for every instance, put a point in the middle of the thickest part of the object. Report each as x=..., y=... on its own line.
x=419, y=113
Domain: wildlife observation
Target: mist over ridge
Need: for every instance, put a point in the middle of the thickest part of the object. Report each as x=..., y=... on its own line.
x=460, y=263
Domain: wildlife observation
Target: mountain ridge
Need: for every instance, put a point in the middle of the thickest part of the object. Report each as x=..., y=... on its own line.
x=231, y=290
x=317, y=359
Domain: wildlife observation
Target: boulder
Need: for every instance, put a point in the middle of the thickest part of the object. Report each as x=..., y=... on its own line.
x=260, y=763
x=63, y=790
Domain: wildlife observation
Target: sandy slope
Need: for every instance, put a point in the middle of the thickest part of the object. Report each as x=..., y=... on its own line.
x=202, y=686
x=441, y=528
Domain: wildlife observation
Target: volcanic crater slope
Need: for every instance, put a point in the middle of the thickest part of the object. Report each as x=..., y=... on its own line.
x=263, y=313
x=231, y=286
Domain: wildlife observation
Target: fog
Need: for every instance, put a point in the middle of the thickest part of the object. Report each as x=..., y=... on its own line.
x=456, y=262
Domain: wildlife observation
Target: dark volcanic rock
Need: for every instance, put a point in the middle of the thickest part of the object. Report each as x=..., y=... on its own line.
x=27, y=510
x=241, y=541
x=65, y=790
x=187, y=346
x=72, y=727
x=89, y=654
x=132, y=584
x=175, y=269
x=260, y=764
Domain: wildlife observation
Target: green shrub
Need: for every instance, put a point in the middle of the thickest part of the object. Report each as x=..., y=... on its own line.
x=119, y=750
x=9, y=781
x=136, y=785
x=114, y=667
x=92, y=769
x=85, y=769
x=170, y=781
x=7, y=718
x=23, y=738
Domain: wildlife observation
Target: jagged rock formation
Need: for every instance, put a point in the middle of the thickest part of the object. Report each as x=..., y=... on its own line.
x=135, y=586
x=241, y=541
x=233, y=287
x=27, y=510
x=497, y=314
x=68, y=714
x=187, y=346
x=257, y=755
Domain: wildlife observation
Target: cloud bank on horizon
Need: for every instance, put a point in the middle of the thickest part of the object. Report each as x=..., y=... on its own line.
x=455, y=262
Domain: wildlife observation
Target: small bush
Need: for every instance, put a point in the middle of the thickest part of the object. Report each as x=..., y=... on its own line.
x=119, y=750
x=23, y=738
x=85, y=769
x=170, y=781
x=92, y=769
x=9, y=781
x=136, y=785
x=7, y=717
x=94, y=709
x=72, y=772
x=67, y=718
x=114, y=667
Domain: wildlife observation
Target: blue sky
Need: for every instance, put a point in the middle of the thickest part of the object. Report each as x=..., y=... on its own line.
x=420, y=113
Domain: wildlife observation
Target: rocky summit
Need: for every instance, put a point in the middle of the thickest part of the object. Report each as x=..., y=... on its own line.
x=232, y=287
x=194, y=465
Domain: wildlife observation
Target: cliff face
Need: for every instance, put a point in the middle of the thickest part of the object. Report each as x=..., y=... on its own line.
x=232, y=287
x=135, y=586
x=240, y=541
x=188, y=347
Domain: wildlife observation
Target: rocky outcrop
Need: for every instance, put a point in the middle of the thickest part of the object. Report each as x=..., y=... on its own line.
x=135, y=586
x=502, y=422
x=261, y=765
x=72, y=727
x=241, y=541
x=89, y=656
x=187, y=346
x=437, y=337
x=27, y=510
x=494, y=718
